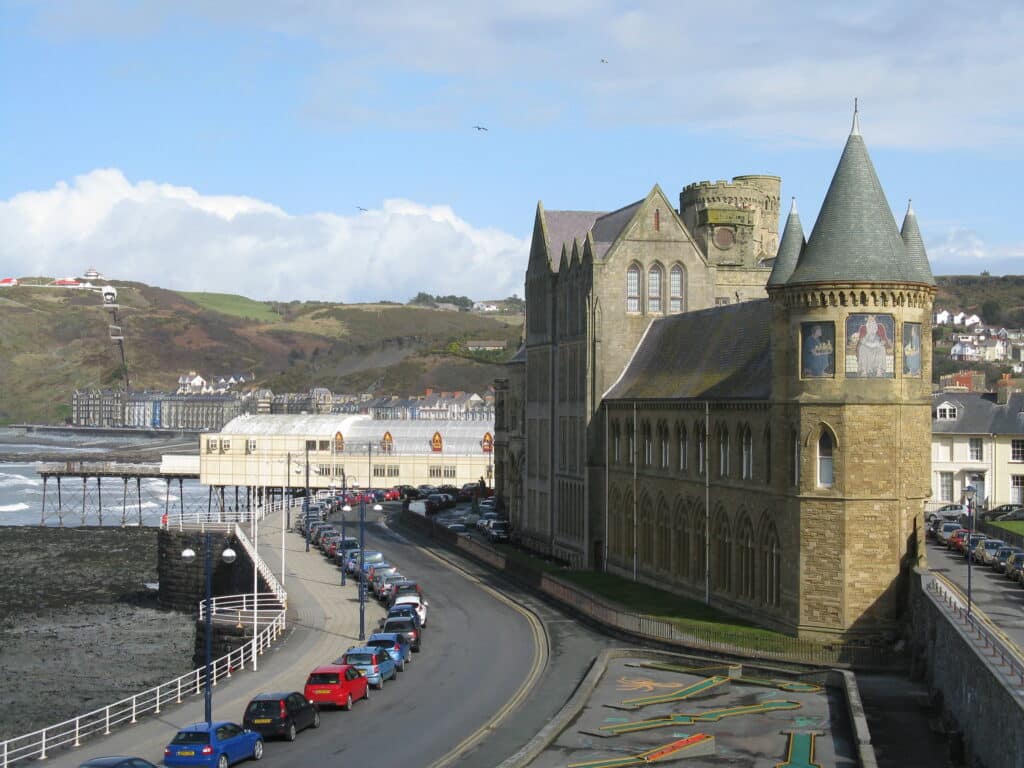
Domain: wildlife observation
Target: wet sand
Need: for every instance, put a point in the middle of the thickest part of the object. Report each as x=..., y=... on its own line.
x=79, y=629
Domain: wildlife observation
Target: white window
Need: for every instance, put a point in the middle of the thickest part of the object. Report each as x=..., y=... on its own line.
x=616, y=444
x=945, y=486
x=211, y=445
x=1017, y=448
x=435, y=470
x=379, y=470
x=633, y=289
x=825, y=446
x=684, y=458
x=225, y=446
x=654, y=290
x=976, y=449
x=748, y=454
x=250, y=446
x=1017, y=489
x=664, y=451
x=723, y=452
x=675, y=287
x=946, y=412
x=392, y=470
x=449, y=470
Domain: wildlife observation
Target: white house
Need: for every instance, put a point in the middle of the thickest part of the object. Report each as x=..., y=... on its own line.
x=971, y=320
x=942, y=317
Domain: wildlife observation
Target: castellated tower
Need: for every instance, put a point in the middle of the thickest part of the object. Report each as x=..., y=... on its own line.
x=736, y=225
x=851, y=369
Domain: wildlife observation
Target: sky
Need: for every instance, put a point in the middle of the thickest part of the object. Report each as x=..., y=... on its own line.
x=295, y=149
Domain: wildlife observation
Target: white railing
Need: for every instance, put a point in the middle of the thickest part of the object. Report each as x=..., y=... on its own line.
x=986, y=637
x=271, y=610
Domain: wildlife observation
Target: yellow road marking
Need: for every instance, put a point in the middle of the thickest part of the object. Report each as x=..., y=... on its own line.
x=540, y=658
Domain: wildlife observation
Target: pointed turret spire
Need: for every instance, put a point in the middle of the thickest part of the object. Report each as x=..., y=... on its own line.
x=914, y=244
x=855, y=129
x=790, y=245
x=855, y=237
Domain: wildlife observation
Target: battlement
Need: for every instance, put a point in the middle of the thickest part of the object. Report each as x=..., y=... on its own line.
x=750, y=185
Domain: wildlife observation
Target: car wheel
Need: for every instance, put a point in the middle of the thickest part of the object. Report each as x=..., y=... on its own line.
x=348, y=703
x=316, y=719
x=291, y=732
x=257, y=750
x=380, y=685
x=366, y=695
x=222, y=761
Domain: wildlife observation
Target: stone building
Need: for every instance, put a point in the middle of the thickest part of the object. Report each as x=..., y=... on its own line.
x=754, y=437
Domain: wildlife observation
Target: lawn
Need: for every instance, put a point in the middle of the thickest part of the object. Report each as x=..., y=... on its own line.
x=233, y=305
x=1014, y=527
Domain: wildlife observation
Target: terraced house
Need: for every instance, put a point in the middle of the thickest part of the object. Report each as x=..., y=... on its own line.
x=737, y=419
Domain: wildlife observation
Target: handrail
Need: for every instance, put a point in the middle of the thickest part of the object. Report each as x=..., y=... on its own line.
x=994, y=644
x=71, y=733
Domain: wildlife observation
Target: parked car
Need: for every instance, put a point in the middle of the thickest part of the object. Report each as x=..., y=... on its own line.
x=1016, y=515
x=984, y=551
x=996, y=513
x=392, y=494
x=1002, y=555
x=483, y=521
x=947, y=512
x=944, y=531
x=117, y=761
x=968, y=543
x=387, y=586
x=395, y=644
x=217, y=744
x=1014, y=566
x=406, y=627
x=497, y=531
x=369, y=557
x=417, y=602
x=956, y=538
x=336, y=685
x=375, y=663
x=459, y=528
x=408, y=587
x=282, y=714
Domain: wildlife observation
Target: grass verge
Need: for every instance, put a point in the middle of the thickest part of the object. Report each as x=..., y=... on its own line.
x=232, y=305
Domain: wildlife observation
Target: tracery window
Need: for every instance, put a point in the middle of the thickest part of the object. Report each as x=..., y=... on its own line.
x=676, y=285
x=654, y=290
x=633, y=288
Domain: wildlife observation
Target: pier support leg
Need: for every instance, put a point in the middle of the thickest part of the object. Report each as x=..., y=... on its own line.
x=85, y=481
x=181, y=501
x=60, y=504
x=209, y=504
x=42, y=512
x=236, y=502
x=99, y=496
x=167, y=500
x=138, y=496
x=124, y=503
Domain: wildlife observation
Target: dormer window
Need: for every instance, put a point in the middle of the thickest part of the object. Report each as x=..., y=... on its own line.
x=946, y=412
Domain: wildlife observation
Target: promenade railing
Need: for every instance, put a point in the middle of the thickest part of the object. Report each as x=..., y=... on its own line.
x=269, y=615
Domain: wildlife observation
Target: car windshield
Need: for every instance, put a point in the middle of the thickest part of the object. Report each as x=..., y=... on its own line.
x=358, y=658
x=380, y=643
x=263, y=707
x=323, y=678
x=191, y=737
x=398, y=625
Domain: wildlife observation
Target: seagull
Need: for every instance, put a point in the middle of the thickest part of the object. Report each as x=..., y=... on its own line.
x=604, y=61
x=480, y=127
x=361, y=209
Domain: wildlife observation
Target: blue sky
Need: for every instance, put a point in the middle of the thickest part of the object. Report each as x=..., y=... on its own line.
x=223, y=146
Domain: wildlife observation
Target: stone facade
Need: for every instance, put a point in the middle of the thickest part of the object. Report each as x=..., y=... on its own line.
x=687, y=432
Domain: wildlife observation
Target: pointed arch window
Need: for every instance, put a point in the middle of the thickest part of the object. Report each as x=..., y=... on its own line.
x=654, y=290
x=826, y=445
x=771, y=567
x=684, y=458
x=648, y=444
x=747, y=451
x=663, y=444
x=768, y=455
x=633, y=288
x=702, y=450
x=723, y=452
x=676, y=286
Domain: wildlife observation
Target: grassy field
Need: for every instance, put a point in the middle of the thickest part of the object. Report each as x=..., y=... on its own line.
x=232, y=305
x=1014, y=527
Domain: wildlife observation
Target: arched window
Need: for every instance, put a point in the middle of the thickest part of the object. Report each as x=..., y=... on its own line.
x=676, y=285
x=663, y=440
x=630, y=443
x=825, y=445
x=723, y=554
x=768, y=455
x=654, y=290
x=771, y=565
x=684, y=458
x=697, y=569
x=745, y=558
x=702, y=450
x=681, y=564
x=648, y=444
x=633, y=288
x=747, y=454
x=616, y=442
x=723, y=452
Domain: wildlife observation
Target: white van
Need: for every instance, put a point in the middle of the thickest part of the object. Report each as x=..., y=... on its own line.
x=418, y=507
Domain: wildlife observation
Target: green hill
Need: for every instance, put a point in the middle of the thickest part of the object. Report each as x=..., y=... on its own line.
x=53, y=341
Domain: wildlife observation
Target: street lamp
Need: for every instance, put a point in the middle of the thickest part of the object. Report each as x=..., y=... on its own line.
x=228, y=556
x=969, y=493
x=362, y=554
x=344, y=511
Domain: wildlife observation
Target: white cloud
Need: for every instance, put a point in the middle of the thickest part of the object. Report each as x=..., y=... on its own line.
x=176, y=237
x=960, y=250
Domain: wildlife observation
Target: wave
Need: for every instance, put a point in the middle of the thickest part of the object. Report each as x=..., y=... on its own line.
x=19, y=507
x=9, y=480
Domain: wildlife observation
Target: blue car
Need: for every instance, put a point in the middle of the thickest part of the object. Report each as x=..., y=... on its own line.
x=376, y=663
x=395, y=644
x=216, y=745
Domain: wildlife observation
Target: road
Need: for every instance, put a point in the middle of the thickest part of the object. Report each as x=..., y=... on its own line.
x=482, y=643
x=1002, y=600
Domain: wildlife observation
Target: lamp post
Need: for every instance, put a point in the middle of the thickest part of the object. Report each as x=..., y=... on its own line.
x=305, y=499
x=969, y=492
x=362, y=553
x=344, y=511
x=228, y=556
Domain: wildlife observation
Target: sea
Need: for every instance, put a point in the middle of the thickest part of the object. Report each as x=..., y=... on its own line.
x=21, y=487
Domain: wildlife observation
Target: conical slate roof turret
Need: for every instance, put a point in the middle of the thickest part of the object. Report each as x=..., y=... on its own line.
x=914, y=244
x=855, y=237
x=790, y=245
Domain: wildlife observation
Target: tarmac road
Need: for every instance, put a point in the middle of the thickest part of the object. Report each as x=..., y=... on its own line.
x=482, y=654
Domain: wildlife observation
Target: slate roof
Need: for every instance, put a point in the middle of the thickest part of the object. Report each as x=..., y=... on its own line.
x=855, y=237
x=979, y=414
x=790, y=246
x=565, y=226
x=722, y=353
x=914, y=244
x=609, y=226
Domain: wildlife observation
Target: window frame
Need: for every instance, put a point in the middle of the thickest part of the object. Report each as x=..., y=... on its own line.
x=655, y=287
x=634, y=297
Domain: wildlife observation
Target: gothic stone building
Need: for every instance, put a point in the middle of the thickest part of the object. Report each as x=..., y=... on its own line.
x=737, y=419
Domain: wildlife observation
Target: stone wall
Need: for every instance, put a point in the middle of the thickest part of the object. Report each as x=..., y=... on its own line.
x=182, y=585
x=988, y=715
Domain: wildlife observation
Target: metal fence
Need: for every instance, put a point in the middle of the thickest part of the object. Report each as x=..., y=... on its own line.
x=101, y=722
x=995, y=532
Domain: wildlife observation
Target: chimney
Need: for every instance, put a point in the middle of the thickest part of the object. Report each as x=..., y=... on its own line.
x=1004, y=388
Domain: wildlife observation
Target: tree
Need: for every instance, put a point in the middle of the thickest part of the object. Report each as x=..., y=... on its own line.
x=992, y=312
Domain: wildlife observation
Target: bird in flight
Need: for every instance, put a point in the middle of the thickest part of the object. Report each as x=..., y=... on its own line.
x=604, y=61
x=361, y=209
x=480, y=127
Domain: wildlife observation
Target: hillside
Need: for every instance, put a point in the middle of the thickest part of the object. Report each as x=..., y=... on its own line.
x=972, y=292
x=53, y=341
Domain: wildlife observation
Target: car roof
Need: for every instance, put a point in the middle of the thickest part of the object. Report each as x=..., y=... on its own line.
x=362, y=649
x=330, y=668
x=205, y=727
x=273, y=696
x=386, y=636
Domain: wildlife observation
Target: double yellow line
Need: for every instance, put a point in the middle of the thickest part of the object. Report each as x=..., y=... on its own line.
x=540, y=660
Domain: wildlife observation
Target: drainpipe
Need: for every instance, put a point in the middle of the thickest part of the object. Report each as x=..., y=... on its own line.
x=707, y=503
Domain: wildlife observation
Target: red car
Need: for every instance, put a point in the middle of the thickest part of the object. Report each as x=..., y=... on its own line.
x=392, y=494
x=336, y=685
x=956, y=539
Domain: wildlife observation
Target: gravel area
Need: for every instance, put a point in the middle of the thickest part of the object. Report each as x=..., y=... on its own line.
x=79, y=628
